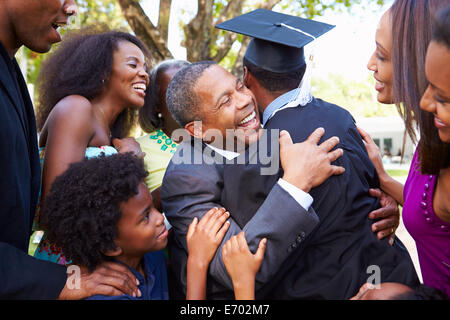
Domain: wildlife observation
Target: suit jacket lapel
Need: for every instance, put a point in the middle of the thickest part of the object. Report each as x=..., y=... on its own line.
x=9, y=83
x=29, y=120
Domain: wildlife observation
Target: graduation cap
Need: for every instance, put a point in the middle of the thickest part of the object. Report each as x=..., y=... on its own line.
x=278, y=39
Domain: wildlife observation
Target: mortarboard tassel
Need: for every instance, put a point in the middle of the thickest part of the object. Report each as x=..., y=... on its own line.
x=303, y=95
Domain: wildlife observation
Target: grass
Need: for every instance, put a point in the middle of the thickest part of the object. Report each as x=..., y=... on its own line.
x=397, y=173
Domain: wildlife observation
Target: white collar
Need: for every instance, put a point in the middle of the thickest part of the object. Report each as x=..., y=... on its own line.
x=230, y=155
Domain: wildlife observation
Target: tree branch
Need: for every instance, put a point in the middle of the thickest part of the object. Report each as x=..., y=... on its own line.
x=145, y=30
x=163, y=19
x=237, y=69
x=269, y=4
x=232, y=9
x=238, y=64
x=197, y=32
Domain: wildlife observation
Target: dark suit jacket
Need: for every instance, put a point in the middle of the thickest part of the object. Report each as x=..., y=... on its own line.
x=333, y=262
x=192, y=185
x=21, y=276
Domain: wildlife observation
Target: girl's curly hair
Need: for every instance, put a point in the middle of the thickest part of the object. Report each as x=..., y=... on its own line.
x=83, y=207
x=82, y=65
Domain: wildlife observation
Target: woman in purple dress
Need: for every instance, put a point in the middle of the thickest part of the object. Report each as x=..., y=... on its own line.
x=410, y=76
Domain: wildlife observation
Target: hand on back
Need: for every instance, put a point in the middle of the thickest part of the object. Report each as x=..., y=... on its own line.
x=373, y=151
x=308, y=164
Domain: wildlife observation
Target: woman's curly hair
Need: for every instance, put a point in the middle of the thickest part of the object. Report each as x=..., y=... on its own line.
x=83, y=207
x=82, y=65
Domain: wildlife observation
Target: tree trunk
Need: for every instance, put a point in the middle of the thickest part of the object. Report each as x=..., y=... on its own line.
x=197, y=32
x=202, y=40
x=164, y=17
x=237, y=69
x=200, y=33
x=145, y=30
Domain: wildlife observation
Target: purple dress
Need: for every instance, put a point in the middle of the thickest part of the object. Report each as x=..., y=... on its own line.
x=431, y=234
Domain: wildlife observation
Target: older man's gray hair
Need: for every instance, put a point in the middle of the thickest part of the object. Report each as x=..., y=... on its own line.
x=182, y=101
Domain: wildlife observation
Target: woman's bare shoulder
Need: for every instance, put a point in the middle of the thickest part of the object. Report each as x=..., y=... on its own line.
x=73, y=104
x=73, y=112
x=72, y=108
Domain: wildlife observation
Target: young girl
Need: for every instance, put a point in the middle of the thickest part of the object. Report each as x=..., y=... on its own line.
x=156, y=120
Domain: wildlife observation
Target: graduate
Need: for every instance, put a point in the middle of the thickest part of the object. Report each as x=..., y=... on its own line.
x=342, y=252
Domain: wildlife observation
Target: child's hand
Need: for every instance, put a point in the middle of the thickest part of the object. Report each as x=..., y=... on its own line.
x=241, y=264
x=204, y=237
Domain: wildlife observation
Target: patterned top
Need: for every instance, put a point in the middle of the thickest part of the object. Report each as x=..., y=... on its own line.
x=49, y=251
x=431, y=234
x=158, y=149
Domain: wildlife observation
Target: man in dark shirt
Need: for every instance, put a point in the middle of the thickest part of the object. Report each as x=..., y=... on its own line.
x=33, y=23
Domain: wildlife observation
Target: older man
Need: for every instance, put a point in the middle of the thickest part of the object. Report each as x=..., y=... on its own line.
x=194, y=179
x=33, y=23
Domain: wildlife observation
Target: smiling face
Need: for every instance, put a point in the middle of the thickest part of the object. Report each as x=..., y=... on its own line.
x=141, y=227
x=226, y=104
x=381, y=61
x=436, y=98
x=129, y=78
x=34, y=23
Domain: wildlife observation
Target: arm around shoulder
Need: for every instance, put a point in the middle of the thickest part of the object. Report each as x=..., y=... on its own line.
x=388, y=184
x=392, y=187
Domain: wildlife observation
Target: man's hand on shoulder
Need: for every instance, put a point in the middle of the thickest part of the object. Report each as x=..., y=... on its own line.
x=109, y=279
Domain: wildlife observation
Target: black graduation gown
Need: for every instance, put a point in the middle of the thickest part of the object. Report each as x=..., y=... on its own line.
x=21, y=276
x=340, y=255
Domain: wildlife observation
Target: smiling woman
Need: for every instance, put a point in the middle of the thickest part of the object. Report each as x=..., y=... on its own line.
x=380, y=62
x=436, y=99
x=89, y=91
x=419, y=56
